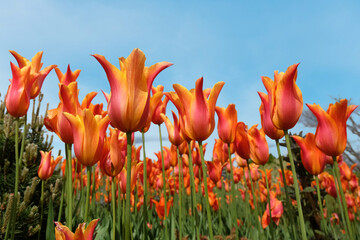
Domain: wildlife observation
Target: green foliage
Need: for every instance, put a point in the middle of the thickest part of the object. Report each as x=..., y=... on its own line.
x=28, y=206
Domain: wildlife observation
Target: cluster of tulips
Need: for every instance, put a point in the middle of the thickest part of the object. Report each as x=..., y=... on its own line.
x=108, y=168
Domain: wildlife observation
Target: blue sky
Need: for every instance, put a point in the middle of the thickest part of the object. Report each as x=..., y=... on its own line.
x=231, y=41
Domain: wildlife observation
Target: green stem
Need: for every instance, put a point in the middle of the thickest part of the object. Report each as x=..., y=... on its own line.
x=41, y=206
x=128, y=190
x=164, y=183
x=323, y=222
x=88, y=185
x=123, y=216
x=193, y=196
x=23, y=141
x=180, y=190
x=13, y=207
x=288, y=203
x=254, y=198
x=344, y=205
x=296, y=186
x=61, y=204
x=233, y=200
x=211, y=235
x=269, y=203
x=113, y=204
x=93, y=205
x=145, y=189
x=339, y=202
x=69, y=188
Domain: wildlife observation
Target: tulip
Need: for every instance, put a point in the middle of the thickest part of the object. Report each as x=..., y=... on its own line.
x=312, y=158
x=277, y=210
x=286, y=98
x=113, y=162
x=64, y=233
x=259, y=148
x=330, y=134
x=36, y=77
x=160, y=207
x=69, y=103
x=242, y=144
x=227, y=123
x=130, y=85
x=17, y=99
x=47, y=165
x=160, y=106
x=270, y=130
x=215, y=170
x=173, y=130
x=198, y=116
x=89, y=133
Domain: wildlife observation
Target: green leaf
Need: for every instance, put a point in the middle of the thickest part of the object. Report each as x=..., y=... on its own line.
x=308, y=189
x=50, y=230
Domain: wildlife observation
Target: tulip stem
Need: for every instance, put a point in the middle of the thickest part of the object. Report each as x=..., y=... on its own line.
x=343, y=200
x=339, y=201
x=180, y=190
x=233, y=200
x=88, y=185
x=128, y=190
x=61, y=204
x=254, y=198
x=93, y=205
x=288, y=204
x=11, y=224
x=145, y=212
x=211, y=235
x=269, y=203
x=164, y=182
x=69, y=185
x=113, y=203
x=323, y=222
x=193, y=196
x=296, y=186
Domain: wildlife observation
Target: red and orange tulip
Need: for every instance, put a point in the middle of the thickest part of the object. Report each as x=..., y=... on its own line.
x=160, y=207
x=130, y=85
x=64, y=233
x=17, y=99
x=36, y=76
x=198, y=111
x=285, y=98
x=242, y=143
x=259, y=148
x=227, y=123
x=330, y=133
x=270, y=130
x=277, y=210
x=312, y=157
x=47, y=165
x=173, y=130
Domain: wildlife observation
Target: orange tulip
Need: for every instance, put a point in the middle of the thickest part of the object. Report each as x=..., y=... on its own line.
x=69, y=103
x=198, y=112
x=160, y=207
x=286, y=98
x=277, y=210
x=113, y=161
x=64, y=233
x=227, y=123
x=242, y=144
x=36, y=77
x=160, y=106
x=215, y=170
x=270, y=130
x=134, y=174
x=259, y=148
x=173, y=130
x=330, y=134
x=220, y=151
x=89, y=134
x=312, y=158
x=17, y=99
x=47, y=165
x=130, y=85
